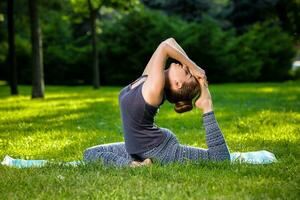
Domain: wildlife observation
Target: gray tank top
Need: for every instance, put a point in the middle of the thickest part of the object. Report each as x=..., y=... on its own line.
x=140, y=132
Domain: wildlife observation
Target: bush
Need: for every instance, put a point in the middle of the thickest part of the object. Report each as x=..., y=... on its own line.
x=295, y=73
x=226, y=57
x=242, y=64
x=204, y=43
x=124, y=56
x=127, y=44
x=66, y=59
x=274, y=48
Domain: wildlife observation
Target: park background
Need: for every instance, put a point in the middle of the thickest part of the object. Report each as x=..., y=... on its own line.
x=235, y=41
x=63, y=62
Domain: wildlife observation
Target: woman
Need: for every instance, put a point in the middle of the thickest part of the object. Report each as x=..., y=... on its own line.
x=139, y=102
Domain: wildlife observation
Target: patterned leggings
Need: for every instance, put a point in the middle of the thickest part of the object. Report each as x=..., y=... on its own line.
x=169, y=151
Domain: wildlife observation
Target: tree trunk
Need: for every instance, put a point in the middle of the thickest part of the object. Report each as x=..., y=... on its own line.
x=11, y=48
x=93, y=15
x=37, y=52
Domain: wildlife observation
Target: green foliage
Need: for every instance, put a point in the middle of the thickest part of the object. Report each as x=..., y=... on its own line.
x=67, y=58
x=295, y=73
x=126, y=49
x=241, y=61
x=204, y=43
x=23, y=54
x=252, y=56
x=245, y=13
x=71, y=119
x=190, y=10
x=3, y=51
x=126, y=41
x=263, y=53
x=82, y=6
x=273, y=48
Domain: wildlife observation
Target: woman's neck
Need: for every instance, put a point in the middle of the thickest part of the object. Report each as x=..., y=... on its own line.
x=167, y=80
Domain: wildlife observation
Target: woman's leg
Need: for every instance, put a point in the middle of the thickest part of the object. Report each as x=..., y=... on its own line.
x=111, y=154
x=171, y=151
x=217, y=148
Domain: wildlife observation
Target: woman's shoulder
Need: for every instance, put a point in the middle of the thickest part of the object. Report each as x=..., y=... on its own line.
x=138, y=81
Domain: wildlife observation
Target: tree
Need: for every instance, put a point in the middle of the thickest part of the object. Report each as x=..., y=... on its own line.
x=37, y=52
x=92, y=7
x=244, y=13
x=190, y=10
x=93, y=14
x=288, y=13
x=11, y=48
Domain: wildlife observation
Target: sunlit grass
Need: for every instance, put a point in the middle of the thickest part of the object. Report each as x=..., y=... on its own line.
x=70, y=119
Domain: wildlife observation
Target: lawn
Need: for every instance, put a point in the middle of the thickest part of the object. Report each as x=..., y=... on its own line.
x=70, y=119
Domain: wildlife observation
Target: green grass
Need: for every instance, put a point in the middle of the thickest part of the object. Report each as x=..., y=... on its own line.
x=70, y=119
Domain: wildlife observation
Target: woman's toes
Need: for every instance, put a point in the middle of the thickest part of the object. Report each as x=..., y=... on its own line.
x=135, y=164
x=147, y=161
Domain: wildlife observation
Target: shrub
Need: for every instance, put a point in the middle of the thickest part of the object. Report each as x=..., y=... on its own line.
x=272, y=47
x=127, y=44
x=295, y=73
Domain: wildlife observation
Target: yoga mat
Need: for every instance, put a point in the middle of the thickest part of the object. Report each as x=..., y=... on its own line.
x=253, y=157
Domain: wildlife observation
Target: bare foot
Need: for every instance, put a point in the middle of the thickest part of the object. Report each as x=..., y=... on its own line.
x=134, y=164
x=146, y=162
x=204, y=102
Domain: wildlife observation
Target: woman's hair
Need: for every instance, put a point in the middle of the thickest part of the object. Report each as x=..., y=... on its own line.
x=183, y=97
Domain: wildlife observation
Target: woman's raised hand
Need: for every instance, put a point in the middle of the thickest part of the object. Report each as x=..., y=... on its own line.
x=198, y=73
x=204, y=102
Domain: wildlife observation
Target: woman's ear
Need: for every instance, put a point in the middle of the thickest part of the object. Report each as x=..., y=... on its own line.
x=178, y=84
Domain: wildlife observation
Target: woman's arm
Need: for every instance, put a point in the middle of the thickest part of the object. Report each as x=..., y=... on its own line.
x=197, y=71
x=172, y=42
x=174, y=52
x=154, y=85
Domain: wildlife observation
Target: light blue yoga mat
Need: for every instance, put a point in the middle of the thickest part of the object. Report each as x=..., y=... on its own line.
x=254, y=157
x=21, y=163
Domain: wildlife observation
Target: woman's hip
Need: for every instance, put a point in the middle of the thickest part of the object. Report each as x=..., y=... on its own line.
x=166, y=151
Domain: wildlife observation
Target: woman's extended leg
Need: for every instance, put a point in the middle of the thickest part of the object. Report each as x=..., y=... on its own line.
x=111, y=154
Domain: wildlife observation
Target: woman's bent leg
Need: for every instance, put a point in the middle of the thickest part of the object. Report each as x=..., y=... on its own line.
x=110, y=154
x=171, y=151
x=217, y=150
x=217, y=147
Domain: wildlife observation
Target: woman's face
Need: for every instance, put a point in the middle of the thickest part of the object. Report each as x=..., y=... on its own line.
x=178, y=74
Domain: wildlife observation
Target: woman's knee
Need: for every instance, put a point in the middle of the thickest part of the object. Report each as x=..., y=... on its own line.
x=93, y=153
x=86, y=155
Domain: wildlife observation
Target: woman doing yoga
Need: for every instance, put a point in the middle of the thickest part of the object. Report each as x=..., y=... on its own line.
x=139, y=102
